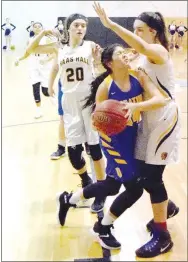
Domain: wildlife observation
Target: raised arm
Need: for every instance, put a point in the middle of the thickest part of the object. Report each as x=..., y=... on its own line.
x=96, y=53
x=14, y=27
x=153, y=51
x=28, y=28
x=3, y=26
x=34, y=46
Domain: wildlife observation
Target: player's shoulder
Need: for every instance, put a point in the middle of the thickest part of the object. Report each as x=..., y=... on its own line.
x=133, y=73
x=108, y=81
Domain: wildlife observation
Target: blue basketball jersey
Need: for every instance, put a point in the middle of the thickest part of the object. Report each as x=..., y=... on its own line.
x=119, y=149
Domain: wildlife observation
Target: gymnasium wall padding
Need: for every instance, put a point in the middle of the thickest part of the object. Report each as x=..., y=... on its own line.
x=98, y=33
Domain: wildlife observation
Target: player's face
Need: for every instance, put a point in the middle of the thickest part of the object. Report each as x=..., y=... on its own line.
x=119, y=58
x=8, y=20
x=37, y=28
x=78, y=29
x=60, y=22
x=144, y=31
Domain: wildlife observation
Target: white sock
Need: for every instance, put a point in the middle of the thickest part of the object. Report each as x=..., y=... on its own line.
x=108, y=219
x=62, y=143
x=38, y=108
x=76, y=197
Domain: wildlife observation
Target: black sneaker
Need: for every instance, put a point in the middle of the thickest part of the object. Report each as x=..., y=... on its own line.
x=159, y=244
x=64, y=206
x=105, y=237
x=59, y=153
x=97, y=205
x=87, y=182
x=172, y=210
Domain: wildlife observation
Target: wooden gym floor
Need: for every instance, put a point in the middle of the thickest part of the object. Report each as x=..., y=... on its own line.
x=30, y=181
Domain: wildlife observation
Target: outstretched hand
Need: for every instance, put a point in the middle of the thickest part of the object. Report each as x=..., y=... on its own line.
x=96, y=53
x=16, y=63
x=105, y=20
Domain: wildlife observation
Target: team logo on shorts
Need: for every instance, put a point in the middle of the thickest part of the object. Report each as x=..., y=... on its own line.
x=164, y=155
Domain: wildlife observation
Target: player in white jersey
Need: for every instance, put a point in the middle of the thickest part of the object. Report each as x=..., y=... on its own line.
x=172, y=32
x=39, y=69
x=60, y=26
x=30, y=29
x=181, y=29
x=159, y=133
x=75, y=63
x=8, y=28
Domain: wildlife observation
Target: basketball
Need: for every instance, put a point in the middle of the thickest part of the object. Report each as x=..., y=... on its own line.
x=12, y=47
x=109, y=117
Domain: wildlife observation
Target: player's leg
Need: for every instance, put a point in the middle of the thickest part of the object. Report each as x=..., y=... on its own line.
x=61, y=144
x=107, y=187
x=75, y=135
x=123, y=201
x=161, y=241
x=92, y=138
x=37, y=98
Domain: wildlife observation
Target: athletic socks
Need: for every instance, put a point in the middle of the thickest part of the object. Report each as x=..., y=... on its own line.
x=62, y=143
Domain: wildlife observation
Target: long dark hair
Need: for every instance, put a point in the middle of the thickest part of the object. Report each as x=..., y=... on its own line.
x=156, y=21
x=106, y=57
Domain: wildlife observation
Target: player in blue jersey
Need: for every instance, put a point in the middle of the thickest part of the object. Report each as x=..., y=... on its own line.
x=116, y=83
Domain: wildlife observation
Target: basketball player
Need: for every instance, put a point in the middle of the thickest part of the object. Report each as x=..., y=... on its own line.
x=39, y=70
x=60, y=26
x=181, y=29
x=172, y=32
x=8, y=28
x=159, y=132
x=120, y=84
x=30, y=29
x=61, y=144
x=75, y=62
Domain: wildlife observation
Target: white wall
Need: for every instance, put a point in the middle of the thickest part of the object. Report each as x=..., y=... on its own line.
x=22, y=12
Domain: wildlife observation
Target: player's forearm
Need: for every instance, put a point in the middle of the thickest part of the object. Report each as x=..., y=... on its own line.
x=152, y=104
x=24, y=56
x=131, y=39
x=35, y=42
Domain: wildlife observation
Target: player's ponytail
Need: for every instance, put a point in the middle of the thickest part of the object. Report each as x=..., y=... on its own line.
x=106, y=57
x=90, y=100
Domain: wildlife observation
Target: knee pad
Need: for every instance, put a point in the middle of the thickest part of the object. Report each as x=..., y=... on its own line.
x=75, y=156
x=45, y=91
x=157, y=191
x=36, y=92
x=95, y=152
x=125, y=200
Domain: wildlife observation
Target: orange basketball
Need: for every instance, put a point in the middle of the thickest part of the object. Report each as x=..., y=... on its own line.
x=109, y=117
